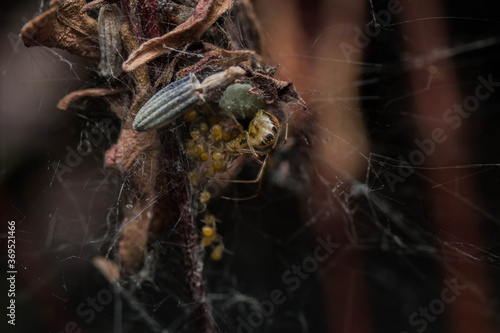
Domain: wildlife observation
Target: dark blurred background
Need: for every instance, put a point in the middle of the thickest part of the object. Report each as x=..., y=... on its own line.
x=440, y=223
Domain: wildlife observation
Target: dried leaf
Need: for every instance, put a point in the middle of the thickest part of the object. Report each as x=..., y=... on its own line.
x=135, y=155
x=134, y=235
x=218, y=58
x=140, y=75
x=64, y=27
x=244, y=27
x=205, y=14
x=95, y=92
x=174, y=13
x=108, y=268
x=108, y=24
x=139, y=168
x=97, y=4
x=273, y=90
x=147, y=13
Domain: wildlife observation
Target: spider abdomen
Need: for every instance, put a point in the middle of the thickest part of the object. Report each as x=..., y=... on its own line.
x=263, y=130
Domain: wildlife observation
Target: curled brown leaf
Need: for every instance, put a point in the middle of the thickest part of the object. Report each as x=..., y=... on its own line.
x=97, y=4
x=218, y=58
x=205, y=14
x=273, y=90
x=95, y=92
x=64, y=27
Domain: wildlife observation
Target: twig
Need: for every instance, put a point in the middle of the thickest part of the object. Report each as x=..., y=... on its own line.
x=193, y=266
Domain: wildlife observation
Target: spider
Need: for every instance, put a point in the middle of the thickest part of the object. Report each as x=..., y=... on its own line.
x=260, y=141
x=177, y=98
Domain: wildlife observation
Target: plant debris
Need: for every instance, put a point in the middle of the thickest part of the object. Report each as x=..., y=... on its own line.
x=153, y=163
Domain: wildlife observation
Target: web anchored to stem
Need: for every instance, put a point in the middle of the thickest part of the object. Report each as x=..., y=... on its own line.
x=176, y=146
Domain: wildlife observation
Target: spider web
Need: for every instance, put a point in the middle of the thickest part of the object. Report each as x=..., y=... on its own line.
x=383, y=212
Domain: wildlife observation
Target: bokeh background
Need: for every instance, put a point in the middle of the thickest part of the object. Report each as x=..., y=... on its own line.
x=406, y=228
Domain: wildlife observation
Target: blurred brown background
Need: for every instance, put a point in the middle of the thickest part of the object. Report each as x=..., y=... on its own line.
x=400, y=238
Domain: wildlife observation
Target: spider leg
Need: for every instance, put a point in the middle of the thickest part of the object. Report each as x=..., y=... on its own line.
x=256, y=180
x=252, y=149
x=249, y=152
x=259, y=175
x=286, y=133
x=245, y=133
x=240, y=127
x=276, y=146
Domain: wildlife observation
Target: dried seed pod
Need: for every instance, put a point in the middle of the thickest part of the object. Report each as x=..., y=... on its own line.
x=108, y=26
x=168, y=104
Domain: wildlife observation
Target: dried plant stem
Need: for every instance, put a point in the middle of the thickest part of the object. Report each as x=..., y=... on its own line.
x=192, y=263
x=175, y=174
x=137, y=155
x=188, y=238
